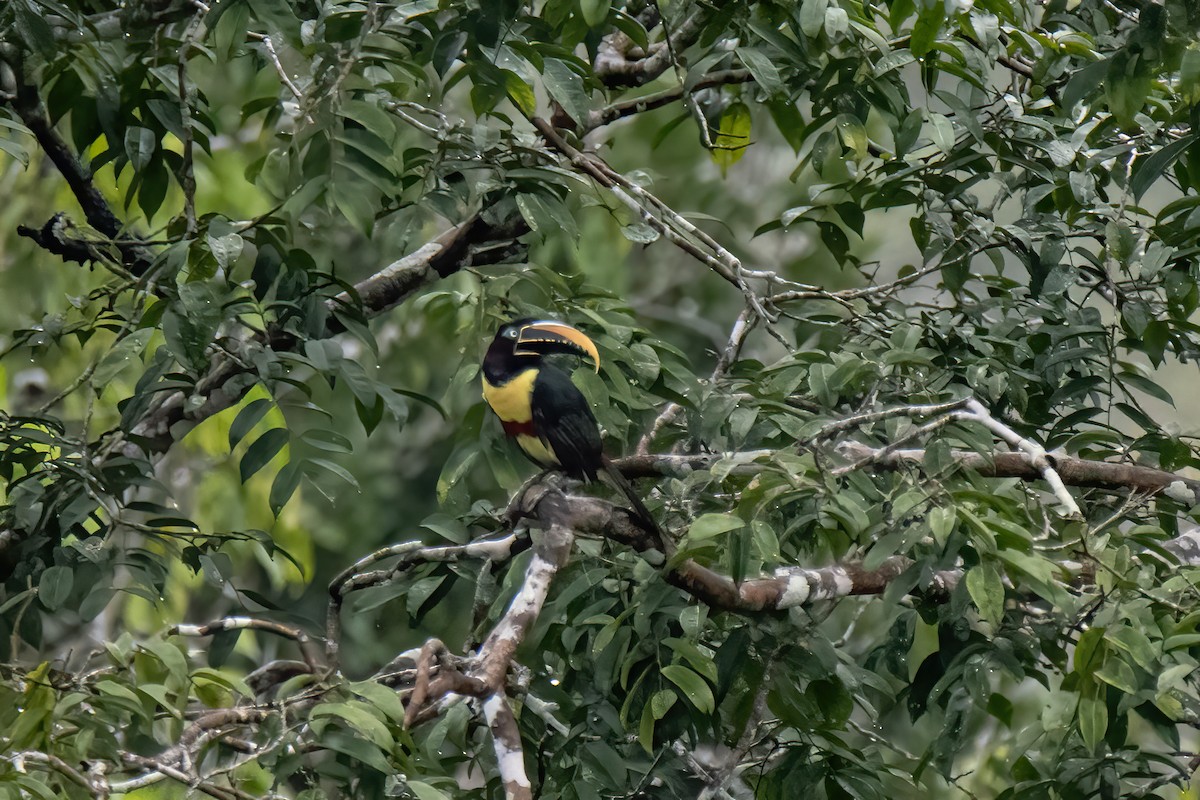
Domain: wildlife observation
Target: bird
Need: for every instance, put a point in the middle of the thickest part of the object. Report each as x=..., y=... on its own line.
x=542, y=410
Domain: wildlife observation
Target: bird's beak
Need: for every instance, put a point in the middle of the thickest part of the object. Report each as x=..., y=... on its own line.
x=548, y=336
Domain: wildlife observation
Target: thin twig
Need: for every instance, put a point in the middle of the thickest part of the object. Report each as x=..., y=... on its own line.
x=742, y=326
x=187, y=180
x=273, y=57
x=1036, y=452
x=298, y=635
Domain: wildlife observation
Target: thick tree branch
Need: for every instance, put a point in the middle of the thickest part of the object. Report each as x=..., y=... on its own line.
x=510, y=755
x=550, y=554
x=618, y=64
x=789, y=587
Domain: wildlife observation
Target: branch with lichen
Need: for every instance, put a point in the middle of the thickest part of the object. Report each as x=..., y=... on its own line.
x=27, y=103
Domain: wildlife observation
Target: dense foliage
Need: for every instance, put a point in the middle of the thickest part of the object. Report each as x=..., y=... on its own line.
x=891, y=296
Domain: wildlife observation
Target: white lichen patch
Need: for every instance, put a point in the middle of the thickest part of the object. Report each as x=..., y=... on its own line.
x=1178, y=490
x=796, y=592
x=509, y=759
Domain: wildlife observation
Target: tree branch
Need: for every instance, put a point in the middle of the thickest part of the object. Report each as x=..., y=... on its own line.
x=1073, y=471
x=298, y=635
x=28, y=105
x=410, y=554
x=452, y=251
x=637, y=105
x=614, y=67
x=510, y=755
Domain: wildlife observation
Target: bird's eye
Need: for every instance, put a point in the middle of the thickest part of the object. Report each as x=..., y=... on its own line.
x=511, y=333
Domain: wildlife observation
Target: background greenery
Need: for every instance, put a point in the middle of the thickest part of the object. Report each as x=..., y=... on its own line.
x=203, y=418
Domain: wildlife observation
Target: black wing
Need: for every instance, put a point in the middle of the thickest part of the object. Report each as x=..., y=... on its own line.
x=563, y=419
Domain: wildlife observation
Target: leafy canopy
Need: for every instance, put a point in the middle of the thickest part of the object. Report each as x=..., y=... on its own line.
x=262, y=242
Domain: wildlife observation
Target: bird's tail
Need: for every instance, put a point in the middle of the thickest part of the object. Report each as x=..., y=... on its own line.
x=639, y=508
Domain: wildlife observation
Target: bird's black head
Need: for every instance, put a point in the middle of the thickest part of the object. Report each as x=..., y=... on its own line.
x=523, y=343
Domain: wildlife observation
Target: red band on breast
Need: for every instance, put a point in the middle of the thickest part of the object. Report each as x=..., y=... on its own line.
x=519, y=428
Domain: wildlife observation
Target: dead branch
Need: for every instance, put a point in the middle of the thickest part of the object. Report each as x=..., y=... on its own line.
x=308, y=649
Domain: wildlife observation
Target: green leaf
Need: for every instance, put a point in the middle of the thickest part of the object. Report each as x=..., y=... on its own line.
x=54, y=586
x=124, y=354
x=1092, y=712
x=694, y=688
x=765, y=73
x=595, y=12
x=853, y=134
x=1116, y=672
x=140, y=144
x=1135, y=643
x=360, y=717
x=284, y=486
x=247, y=417
x=733, y=136
x=1127, y=86
x=1089, y=650
x=812, y=17
x=566, y=87
x=987, y=591
x=1189, y=74
x=382, y=697
x=1146, y=171
x=520, y=92
x=424, y=791
x=32, y=27
x=706, y=526
x=661, y=702
x=226, y=249
x=260, y=453
x=926, y=29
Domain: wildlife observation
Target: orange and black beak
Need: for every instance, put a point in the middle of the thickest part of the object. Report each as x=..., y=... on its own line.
x=547, y=336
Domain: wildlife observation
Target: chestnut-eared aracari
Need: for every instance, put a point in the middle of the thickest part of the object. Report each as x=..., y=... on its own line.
x=541, y=409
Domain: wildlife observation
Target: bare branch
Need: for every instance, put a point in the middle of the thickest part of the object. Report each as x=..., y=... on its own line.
x=510, y=755
x=1037, y=454
x=307, y=647
x=52, y=761
x=273, y=57
x=550, y=554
